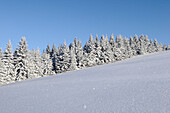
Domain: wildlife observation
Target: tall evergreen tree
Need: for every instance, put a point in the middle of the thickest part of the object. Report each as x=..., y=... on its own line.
x=1, y=53
x=80, y=55
x=63, y=60
x=3, y=73
x=156, y=45
x=8, y=62
x=128, y=51
x=21, y=60
x=53, y=51
x=151, y=47
x=146, y=44
x=73, y=63
x=89, y=52
x=141, y=48
x=47, y=65
x=48, y=50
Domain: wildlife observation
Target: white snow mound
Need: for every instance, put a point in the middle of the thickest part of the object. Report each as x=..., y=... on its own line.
x=137, y=85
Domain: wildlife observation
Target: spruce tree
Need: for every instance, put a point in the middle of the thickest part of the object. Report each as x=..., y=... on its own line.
x=47, y=64
x=128, y=51
x=151, y=47
x=97, y=51
x=63, y=59
x=8, y=62
x=21, y=61
x=156, y=45
x=89, y=50
x=141, y=48
x=3, y=73
x=1, y=53
x=53, y=51
x=73, y=63
x=80, y=55
x=48, y=50
x=146, y=44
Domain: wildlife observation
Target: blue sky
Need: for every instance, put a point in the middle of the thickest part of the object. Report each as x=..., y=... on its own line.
x=45, y=22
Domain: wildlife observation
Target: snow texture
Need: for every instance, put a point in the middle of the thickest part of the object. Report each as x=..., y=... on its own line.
x=137, y=85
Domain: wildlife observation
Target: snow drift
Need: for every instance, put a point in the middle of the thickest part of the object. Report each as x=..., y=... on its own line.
x=140, y=84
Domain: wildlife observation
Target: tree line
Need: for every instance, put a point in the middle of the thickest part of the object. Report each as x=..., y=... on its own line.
x=25, y=64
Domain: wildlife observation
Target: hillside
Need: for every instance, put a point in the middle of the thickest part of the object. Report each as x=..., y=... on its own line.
x=140, y=84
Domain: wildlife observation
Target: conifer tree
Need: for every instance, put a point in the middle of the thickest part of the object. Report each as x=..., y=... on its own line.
x=38, y=63
x=128, y=51
x=63, y=59
x=146, y=44
x=164, y=47
x=3, y=73
x=73, y=63
x=80, y=55
x=151, y=47
x=156, y=45
x=160, y=47
x=137, y=45
x=97, y=51
x=31, y=65
x=47, y=64
x=119, y=51
x=112, y=41
x=8, y=62
x=21, y=60
x=1, y=53
x=53, y=51
x=48, y=50
x=132, y=45
x=141, y=48
x=90, y=53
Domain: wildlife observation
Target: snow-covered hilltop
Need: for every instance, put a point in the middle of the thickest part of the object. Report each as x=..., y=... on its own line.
x=136, y=85
x=25, y=64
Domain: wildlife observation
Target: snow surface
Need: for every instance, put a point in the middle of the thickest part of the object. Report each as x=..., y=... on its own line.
x=137, y=85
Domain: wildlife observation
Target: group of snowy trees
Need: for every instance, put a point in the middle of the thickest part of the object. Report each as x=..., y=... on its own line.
x=25, y=64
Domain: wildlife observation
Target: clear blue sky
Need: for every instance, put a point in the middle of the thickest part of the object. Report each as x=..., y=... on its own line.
x=45, y=22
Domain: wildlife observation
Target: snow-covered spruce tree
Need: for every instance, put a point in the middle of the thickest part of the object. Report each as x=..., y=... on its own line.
x=160, y=47
x=63, y=59
x=132, y=45
x=108, y=54
x=137, y=45
x=156, y=45
x=164, y=47
x=47, y=64
x=128, y=51
x=73, y=63
x=103, y=49
x=112, y=41
x=89, y=53
x=146, y=44
x=1, y=53
x=48, y=50
x=8, y=63
x=56, y=59
x=141, y=48
x=53, y=51
x=151, y=47
x=21, y=61
x=119, y=52
x=3, y=73
x=31, y=65
x=97, y=50
x=38, y=64
x=80, y=55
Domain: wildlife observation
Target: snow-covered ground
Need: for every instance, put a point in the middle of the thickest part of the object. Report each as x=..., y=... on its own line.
x=137, y=85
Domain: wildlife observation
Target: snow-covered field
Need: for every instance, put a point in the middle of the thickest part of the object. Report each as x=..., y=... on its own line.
x=137, y=85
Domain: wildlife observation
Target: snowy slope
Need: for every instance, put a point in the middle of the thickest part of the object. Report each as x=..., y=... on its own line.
x=137, y=85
